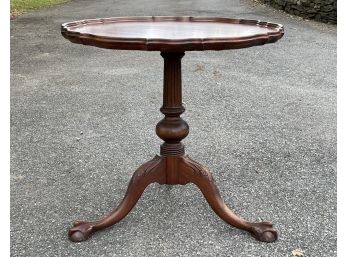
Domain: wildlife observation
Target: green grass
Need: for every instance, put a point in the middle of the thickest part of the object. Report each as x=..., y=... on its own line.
x=20, y=6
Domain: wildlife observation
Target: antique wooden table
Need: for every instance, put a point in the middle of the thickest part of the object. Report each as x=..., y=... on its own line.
x=172, y=36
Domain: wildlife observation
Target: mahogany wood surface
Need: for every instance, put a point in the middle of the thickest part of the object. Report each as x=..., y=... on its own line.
x=172, y=166
x=171, y=33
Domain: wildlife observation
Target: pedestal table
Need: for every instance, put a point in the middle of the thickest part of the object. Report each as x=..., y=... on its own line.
x=172, y=36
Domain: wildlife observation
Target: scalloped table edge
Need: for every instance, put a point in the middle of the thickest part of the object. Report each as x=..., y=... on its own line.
x=166, y=45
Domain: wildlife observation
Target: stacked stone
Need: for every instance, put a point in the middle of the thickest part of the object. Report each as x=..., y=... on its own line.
x=320, y=10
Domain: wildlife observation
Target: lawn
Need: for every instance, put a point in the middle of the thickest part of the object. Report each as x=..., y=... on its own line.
x=20, y=6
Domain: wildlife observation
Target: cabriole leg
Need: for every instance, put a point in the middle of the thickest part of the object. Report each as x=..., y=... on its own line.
x=192, y=171
x=150, y=172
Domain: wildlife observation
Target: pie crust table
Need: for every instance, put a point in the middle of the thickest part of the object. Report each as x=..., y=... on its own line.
x=172, y=36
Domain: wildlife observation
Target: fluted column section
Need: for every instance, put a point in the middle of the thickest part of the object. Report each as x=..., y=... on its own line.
x=172, y=128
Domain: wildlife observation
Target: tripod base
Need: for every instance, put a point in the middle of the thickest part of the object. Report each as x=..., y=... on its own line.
x=172, y=170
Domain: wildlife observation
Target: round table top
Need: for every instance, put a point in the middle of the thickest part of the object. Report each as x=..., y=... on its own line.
x=172, y=34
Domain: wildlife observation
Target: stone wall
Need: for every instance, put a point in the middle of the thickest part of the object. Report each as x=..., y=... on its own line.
x=320, y=10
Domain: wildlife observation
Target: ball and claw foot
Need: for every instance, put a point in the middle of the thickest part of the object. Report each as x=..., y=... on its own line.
x=81, y=231
x=264, y=232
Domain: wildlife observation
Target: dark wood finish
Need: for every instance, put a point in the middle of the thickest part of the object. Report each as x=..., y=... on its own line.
x=172, y=167
x=173, y=170
x=170, y=33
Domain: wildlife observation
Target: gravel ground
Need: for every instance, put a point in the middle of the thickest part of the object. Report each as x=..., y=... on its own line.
x=263, y=120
